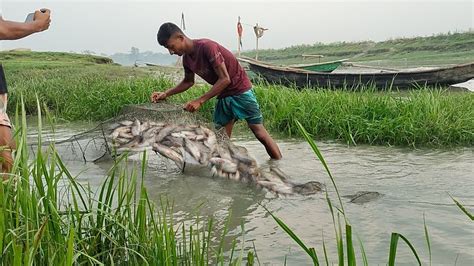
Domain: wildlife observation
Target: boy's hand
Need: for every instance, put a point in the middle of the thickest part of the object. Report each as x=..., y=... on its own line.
x=157, y=96
x=42, y=19
x=192, y=106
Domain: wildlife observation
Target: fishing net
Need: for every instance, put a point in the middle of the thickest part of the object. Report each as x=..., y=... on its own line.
x=180, y=137
x=94, y=144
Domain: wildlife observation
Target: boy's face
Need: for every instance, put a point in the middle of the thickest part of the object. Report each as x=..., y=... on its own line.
x=175, y=44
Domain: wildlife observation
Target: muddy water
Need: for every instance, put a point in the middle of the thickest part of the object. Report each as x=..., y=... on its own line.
x=413, y=183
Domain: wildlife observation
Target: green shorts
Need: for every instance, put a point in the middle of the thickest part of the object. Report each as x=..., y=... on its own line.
x=242, y=106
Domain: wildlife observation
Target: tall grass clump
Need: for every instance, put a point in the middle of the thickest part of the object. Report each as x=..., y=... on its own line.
x=49, y=218
x=425, y=117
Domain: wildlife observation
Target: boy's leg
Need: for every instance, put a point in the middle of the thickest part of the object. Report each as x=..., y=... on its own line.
x=229, y=127
x=270, y=145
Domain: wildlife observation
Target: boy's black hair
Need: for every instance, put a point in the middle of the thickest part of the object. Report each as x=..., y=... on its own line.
x=166, y=31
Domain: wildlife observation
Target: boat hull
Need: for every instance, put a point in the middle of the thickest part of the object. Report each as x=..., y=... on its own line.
x=401, y=79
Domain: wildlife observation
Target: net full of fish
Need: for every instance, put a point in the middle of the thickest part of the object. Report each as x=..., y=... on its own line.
x=199, y=145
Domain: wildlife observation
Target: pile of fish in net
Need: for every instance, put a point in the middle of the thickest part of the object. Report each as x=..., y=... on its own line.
x=198, y=145
x=183, y=138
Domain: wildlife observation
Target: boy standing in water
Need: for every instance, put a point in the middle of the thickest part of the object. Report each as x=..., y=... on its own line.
x=10, y=30
x=220, y=68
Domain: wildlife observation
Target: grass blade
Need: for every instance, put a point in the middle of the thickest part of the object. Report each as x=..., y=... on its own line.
x=463, y=209
x=310, y=251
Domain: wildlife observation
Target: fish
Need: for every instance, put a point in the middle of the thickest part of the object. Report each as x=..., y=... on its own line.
x=211, y=138
x=145, y=126
x=168, y=153
x=308, y=188
x=136, y=128
x=279, y=173
x=125, y=135
x=150, y=133
x=364, y=196
x=224, y=164
x=192, y=149
x=223, y=153
x=126, y=123
x=235, y=176
x=133, y=143
x=120, y=141
x=178, y=135
x=164, y=132
x=237, y=153
x=157, y=124
x=121, y=129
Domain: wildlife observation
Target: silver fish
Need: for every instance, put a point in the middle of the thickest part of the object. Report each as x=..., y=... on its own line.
x=192, y=149
x=223, y=152
x=168, y=153
x=157, y=124
x=309, y=188
x=136, y=128
x=279, y=173
x=235, y=176
x=126, y=123
x=125, y=135
x=118, y=130
x=178, y=135
x=150, y=133
x=226, y=165
x=364, y=196
x=164, y=132
x=120, y=141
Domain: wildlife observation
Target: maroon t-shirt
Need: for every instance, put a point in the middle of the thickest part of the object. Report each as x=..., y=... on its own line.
x=209, y=54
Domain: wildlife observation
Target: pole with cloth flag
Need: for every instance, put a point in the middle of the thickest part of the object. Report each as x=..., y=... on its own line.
x=258, y=33
x=183, y=28
x=240, y=30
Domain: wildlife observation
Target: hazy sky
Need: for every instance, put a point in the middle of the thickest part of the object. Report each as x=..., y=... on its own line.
x=116, y=26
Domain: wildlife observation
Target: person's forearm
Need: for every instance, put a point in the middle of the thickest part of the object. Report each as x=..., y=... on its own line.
x=182, y=86
x=218, y=87
x=16, y=30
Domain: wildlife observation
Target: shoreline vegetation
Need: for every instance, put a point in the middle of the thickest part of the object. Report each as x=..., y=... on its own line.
x=49, y=218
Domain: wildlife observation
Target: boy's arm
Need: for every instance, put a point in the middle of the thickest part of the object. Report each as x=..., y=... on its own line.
x=10, y=30
x=222, y=83
x=184, y=85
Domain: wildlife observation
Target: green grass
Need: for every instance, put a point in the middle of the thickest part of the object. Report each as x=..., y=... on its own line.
x=80, y=91
x=426, y=117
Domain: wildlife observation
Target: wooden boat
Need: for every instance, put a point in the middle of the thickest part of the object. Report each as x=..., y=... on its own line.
x=321, y=67
x=301, y=78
